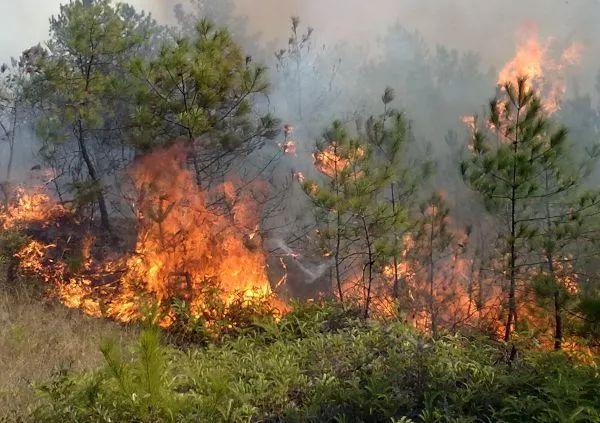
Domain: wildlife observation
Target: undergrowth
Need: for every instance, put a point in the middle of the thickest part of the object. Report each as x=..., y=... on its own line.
x=323, y=363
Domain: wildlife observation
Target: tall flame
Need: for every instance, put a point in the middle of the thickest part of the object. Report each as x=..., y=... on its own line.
x=183, y=249
x=182, y=245
x=544, y=69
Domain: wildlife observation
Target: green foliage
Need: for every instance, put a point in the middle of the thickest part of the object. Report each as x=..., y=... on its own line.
x=85, y=193
x=219, y=319
x=323, y=363
x=358, y=203
x=140, y=388
x=517, y=163
x=82, y=92
x=431, y=252
x=79, y=79
x=589, y=308
x=202, y=90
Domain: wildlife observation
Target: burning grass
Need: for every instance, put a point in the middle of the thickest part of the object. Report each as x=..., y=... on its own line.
x=200, y=271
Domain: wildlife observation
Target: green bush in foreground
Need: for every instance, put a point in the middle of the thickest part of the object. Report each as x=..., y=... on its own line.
x=321, y=363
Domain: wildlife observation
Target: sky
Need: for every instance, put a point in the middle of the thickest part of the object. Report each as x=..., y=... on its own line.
x=24, y=23
x=486, y=26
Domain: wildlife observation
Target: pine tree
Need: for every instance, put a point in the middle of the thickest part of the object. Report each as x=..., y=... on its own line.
x=79, y=84
x=567, y=227
x=388, y=135
x=332, y=156
x=373, y=219
x=202, y=90
x=433, y=246
x=506, y=171
x=359, y=224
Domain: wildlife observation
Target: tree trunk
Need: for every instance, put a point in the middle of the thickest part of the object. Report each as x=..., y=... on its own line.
x=396, y=288
x=104, y=220
x=338, y=234
x=431, y=276
x=512, y=303
x=558, y=326
x=338, y=278
x=369, y=267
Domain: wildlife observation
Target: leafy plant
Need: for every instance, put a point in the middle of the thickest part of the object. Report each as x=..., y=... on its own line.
x=306, y=368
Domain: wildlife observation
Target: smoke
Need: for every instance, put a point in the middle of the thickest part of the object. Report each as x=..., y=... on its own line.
x=487, y=28
x=441, y=57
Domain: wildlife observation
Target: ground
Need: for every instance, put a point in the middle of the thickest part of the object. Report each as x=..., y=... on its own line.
x=320, y=362
x=41, y=338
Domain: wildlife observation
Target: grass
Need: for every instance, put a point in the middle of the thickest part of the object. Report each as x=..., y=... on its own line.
x=41, y=339
x=319, y=364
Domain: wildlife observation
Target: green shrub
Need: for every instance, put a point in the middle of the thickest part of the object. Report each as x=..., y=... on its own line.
x=322, y=363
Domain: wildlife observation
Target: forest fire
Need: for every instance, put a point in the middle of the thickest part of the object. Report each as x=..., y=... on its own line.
x=329, y=162
x=183, y=247
x=183, y=250
x=544, y=69
x=215, y=212
x=30, y=205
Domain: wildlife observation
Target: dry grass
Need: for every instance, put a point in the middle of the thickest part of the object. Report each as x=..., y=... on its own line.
x=39, y=338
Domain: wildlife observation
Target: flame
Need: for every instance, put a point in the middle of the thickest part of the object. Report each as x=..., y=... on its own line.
x=470, y=122
x=33, y=205
x=572, y=54
x=330, y=163
x=536, y=61
x=182, y=245
x=289, y=147
x=185, y=246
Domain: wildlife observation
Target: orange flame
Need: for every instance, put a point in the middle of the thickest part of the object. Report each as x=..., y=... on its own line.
x=536, y=61
x=182, y=245
x=328, y=162
x=32, y=205
x=183, y=248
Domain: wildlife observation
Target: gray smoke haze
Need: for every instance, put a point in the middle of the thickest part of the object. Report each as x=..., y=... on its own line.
x=373, y=44
x=487, y=27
